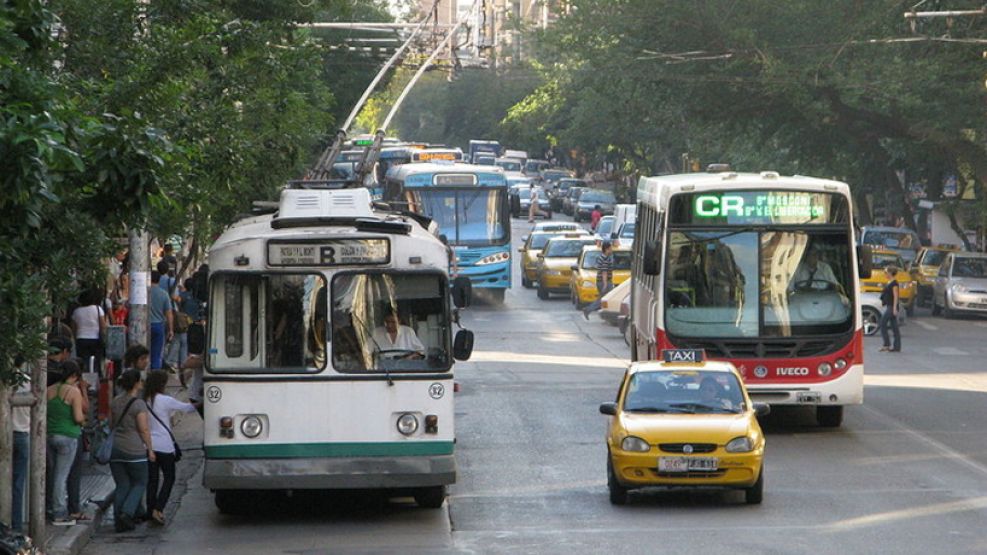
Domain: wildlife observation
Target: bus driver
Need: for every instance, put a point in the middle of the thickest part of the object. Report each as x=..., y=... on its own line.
x=398, y=340
x=813, y=273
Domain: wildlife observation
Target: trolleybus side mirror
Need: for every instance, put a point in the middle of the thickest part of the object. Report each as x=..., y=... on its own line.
x=865, y=261
x=762, y=409
x=652, y=262
x=462, y=292
x=610, y=409
x=462, y=347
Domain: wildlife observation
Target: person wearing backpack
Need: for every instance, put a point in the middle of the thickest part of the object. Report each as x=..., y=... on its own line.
x=163, y=442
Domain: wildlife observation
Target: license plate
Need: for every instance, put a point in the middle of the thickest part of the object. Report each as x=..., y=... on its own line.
x=808, y=397
x=686, y=464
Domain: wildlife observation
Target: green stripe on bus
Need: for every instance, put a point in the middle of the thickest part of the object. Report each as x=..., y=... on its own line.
x=314, y=450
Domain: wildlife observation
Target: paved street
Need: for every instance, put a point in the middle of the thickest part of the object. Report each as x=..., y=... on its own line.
x=907, y=472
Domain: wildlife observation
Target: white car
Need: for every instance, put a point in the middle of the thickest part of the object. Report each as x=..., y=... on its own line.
x=610, y=303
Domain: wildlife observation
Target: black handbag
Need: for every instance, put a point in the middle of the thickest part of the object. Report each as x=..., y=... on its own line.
x=178, y=450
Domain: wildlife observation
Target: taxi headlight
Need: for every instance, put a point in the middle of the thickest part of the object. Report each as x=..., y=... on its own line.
x=632, y=443
x=740, y=445
x=587, y=283
x=494, y=258
x=251, y=426
x=553, y=272
x=825, y=369
x=407, y=424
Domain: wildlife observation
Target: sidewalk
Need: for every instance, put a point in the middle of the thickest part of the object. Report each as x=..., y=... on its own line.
x=97, y=498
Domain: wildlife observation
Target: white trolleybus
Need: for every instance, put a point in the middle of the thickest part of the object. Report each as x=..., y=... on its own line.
x=330, y=359
x=759, y=270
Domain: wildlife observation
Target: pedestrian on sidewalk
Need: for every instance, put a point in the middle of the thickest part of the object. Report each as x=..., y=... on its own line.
x=604, y=277
x=889, y=298
x=74, y=482
x=137, y=357
x=132, y=450
x=166, y=451
x=65, y=417
x=161, y=318
x=88, y=327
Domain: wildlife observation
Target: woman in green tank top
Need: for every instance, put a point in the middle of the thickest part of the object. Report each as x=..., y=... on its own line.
x=65, y=417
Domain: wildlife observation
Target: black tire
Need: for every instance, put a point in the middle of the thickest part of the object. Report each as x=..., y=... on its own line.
x=543, y=293
x=618, y=493
x=233, y=502
x=910, y=310
x=946, y=311
x=431, y=497
x=936, y=309
x=755, y=494
x=525, y=283
x=830, y=416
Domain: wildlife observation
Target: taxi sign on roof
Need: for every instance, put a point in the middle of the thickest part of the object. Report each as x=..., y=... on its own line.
x=683, y=355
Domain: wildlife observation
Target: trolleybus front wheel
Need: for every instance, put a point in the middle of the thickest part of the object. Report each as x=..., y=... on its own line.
x=430, y=498
x=233, y=502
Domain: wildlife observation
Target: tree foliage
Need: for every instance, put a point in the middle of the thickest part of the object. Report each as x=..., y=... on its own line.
x=841, y=88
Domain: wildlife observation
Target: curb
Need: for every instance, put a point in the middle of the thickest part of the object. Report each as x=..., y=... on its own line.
x=75, y=538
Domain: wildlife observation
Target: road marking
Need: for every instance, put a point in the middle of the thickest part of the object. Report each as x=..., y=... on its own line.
x=980, y=324
x=936, y=509
x=949, y=351
x=926, y=325
x=519, y=358
x=972, y=381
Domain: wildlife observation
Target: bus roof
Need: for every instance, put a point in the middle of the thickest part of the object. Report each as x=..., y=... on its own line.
x=655, y=191
x=490, y=174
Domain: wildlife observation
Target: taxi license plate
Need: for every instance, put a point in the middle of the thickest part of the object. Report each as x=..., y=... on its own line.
x=809, y=397
x=686, y=464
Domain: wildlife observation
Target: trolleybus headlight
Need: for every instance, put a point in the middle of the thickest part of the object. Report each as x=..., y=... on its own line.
x=840, y=364
x=740, y=445
x=825, y=368
x=251, y=426
x=637, y=444
x=407, y=424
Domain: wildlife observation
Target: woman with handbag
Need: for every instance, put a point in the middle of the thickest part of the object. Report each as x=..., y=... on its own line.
x=131, y=449
x=166, y=449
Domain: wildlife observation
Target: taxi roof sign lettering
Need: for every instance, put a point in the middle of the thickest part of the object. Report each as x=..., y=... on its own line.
x=683, y=355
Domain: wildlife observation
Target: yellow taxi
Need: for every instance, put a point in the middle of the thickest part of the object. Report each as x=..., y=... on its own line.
x=582, y=284
x=556, y=260
x=926, y=268
x=907, y=288
x=684, y=422
x=532, y=247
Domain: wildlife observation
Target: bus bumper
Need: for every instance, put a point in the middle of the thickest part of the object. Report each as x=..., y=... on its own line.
x=847, y=389
x=329, y=473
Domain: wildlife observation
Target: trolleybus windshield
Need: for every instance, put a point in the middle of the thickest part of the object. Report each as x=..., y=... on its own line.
x=395, y=322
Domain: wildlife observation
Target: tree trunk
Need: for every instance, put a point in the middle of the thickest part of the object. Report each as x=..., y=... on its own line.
x=39, y=445
x=140, y=281
x=6, y=456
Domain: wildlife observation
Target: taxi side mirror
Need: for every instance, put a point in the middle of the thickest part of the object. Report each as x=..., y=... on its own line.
x=762, y=409
x=609, y=409
x=573, y=267
x=540, y=255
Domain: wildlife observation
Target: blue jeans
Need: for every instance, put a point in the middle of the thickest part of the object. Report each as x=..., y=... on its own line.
x=157, y=344
x=22, y=460
x=61, y=455
x=131, y=481
x=177, y=350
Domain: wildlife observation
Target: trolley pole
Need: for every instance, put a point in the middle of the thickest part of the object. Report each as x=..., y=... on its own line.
x=140, y=280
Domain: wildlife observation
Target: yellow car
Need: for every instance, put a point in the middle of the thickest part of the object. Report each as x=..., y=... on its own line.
x=907, y=288
x=532, y=247
x=926, y=268
x=582, y=284
x=555, y=263
x=684, y=422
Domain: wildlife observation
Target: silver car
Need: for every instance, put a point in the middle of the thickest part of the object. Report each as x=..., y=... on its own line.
x=589, y=200
x=961, y=285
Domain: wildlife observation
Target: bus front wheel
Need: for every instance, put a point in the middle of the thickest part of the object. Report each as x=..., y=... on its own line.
x=430, y=498
x=232, y=502
x=829, y=416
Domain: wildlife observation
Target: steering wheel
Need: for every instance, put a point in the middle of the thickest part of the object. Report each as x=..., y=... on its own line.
x=807, y=285
x=404, y=354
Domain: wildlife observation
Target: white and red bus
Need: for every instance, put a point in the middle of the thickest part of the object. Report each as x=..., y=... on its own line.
x=759, y=270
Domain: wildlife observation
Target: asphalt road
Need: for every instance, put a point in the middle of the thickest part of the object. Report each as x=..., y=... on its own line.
x=907, y=472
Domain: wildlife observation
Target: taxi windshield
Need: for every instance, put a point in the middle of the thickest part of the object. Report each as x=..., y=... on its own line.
x=684, y=391
x=566, y=248
x=883, y=260
x=538, y=240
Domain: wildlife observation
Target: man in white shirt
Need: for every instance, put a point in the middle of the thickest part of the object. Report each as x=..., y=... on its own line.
x=813, y=273
x=394, y=336
x=21, y=421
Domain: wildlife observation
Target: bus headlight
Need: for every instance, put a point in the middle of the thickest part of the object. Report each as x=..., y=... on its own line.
x=494, y=258
x=740, y=445
x=840, y=364
x=825, y=369
x=251, y=426
x=407, y=424
x=632, y=443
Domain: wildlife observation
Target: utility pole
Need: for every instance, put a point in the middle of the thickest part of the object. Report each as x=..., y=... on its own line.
x=39, y=438
x=140, y=280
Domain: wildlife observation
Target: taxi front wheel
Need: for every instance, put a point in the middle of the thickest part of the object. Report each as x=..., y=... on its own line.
x=754, y=494
x=618, y=493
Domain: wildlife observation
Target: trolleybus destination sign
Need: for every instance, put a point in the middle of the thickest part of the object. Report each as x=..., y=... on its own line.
x=338, y=252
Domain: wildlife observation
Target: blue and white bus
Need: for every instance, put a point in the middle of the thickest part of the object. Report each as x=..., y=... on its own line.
x=471, y=207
